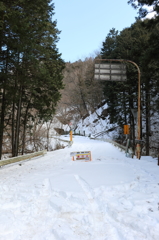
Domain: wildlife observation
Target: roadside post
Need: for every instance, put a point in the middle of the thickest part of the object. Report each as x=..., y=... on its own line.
x=117, y=72
x=71, y=135
x=70, y=124
x=128, y=151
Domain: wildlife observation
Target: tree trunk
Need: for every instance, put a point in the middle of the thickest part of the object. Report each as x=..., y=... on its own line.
x=132, y=133
x=147, y=120
x=3, y=104
x=124, y=106
x=17, y=130
x=48, y=129
x=24, y=129
x=2, y=121
x=13, y=130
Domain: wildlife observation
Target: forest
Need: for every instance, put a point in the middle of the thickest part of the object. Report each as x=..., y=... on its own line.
x=30, y=69
x=36, y=84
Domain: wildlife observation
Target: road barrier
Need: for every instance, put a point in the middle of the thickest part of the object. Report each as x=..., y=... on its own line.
x=21, y=158
x=126, y=149
x=112, y=142
x=31, y=155
x=64, y=140
x=84, y=155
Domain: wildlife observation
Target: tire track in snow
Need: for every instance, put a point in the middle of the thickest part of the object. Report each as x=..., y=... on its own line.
x=111, y=228
x=102, y=226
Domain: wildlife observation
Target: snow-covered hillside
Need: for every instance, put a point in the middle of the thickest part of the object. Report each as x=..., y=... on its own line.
x=97, y=124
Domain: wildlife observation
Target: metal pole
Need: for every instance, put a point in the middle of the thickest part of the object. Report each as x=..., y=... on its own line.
x=138, y=148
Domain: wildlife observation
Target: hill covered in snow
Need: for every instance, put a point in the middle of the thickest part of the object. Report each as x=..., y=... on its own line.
x=97, y=124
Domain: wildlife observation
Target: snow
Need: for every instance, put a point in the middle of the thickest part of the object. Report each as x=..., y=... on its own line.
x=111, y=197
x=96, y=124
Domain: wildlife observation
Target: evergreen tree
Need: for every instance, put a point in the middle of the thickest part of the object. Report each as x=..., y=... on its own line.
x=141, y=5
x=31, y=67
x=131, y=44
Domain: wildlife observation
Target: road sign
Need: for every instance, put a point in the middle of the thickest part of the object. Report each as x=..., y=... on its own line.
x=110, y=71
x=126, y=129
x=84, y=155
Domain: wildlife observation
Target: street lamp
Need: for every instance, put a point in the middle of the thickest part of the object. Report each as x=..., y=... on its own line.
x=112, y=72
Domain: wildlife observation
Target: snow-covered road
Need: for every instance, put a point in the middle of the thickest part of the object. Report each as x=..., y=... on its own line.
x=54, y=198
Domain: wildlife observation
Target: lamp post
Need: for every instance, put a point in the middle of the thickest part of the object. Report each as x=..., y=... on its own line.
x=101, y=77
x=138, y=148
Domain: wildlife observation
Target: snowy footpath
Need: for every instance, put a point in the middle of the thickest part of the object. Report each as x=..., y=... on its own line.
x=55, y=198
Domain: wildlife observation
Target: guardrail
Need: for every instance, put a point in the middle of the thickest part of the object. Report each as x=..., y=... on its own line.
x=112, y=142
x=126, y=149
x=117, y=144
x=63, y=140
x=21, y=158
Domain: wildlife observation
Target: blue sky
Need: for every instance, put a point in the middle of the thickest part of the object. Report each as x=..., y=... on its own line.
x=84, y=24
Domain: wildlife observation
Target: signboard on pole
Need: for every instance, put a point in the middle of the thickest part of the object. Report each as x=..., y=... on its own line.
x=110, y=71
x=126, y=129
